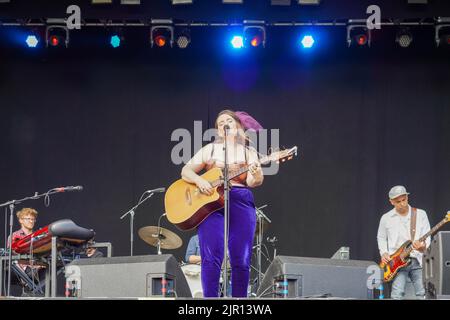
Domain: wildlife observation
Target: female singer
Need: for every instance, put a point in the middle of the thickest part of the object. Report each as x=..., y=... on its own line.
x=242, y=218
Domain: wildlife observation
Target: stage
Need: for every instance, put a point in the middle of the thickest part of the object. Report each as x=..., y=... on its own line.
x=335, y=109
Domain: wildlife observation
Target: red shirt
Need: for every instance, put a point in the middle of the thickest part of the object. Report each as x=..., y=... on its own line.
x=16, y=236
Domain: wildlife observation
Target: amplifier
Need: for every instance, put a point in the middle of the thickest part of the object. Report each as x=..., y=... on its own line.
x=436, y=266
x=296, y=277
x=127, y=277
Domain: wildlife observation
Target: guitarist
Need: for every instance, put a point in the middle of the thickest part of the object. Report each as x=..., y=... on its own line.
x=242, y=208
x=401, y=224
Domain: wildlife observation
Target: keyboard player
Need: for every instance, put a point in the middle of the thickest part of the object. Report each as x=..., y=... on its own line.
x=27, y=220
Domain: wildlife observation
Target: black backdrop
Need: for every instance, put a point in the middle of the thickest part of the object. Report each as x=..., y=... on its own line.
x=364, y=120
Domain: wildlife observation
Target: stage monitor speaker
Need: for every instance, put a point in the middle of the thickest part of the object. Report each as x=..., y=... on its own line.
x=127, y=277
x=436, y=266
x=298, y=277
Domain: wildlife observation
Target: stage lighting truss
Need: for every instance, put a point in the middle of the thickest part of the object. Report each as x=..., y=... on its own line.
x=254, y=34
x=162, y=33
x=442, y=32
x=358, y=33
x=404, y=37
x=55, y=35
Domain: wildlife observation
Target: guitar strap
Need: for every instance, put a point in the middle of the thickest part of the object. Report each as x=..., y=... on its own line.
x=413, y=222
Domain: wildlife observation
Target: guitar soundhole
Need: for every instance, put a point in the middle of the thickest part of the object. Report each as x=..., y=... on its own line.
x=188, y=197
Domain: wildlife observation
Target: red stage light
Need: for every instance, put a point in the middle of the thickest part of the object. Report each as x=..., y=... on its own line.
x=160, y=41
x=54, y=41
x=362, y=39
x=256, y=41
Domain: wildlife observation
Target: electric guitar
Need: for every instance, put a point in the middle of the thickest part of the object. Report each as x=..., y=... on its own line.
x=401, y=257
x=186, y=207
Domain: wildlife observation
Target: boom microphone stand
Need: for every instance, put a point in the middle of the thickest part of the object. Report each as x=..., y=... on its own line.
x=132, y=212
x=226, y=211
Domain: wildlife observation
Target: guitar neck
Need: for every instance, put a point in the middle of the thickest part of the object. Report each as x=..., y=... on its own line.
x=434, y=230
x=238, y=173
x=429, y=233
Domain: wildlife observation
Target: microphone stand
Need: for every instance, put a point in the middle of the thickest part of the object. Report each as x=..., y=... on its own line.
x=226, y=211
x=132, y=212
x=159, y=234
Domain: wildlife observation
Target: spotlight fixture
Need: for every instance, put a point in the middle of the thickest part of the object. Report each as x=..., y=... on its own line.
x=183, y=38
x=442, y=32
x=56, y=35
x=307, y=41
x=358, y=34
x=32, y=41
x=237, y=42
x=233, y=1
x=115, y=41
x=161, y=33
x=417, y=1
x=280, y=2
x=309, y=2
x=404, y=38
x=174, y=2
x=254, y=36
x=133, y=2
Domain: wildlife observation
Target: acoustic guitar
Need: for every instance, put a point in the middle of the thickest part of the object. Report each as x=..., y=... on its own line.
x=186, y=207
x=401, y=257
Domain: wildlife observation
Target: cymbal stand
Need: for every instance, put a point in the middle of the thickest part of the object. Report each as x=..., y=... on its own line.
x=260, y=216
x=272, y=241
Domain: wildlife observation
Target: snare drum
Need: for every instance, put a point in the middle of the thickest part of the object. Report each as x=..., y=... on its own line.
x=192, y=272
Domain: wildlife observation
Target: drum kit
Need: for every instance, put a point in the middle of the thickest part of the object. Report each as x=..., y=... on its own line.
x=162, y=238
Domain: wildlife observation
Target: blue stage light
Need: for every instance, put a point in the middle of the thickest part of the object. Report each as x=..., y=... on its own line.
x=32, y=41
x=115, y=41
x=308, y=41
x=237, y=42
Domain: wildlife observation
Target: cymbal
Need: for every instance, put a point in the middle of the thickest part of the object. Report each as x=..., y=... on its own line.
x=168, y=239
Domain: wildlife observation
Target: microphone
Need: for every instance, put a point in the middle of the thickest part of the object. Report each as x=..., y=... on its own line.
x=157, y=190
x=69, y=188
x=226, y=127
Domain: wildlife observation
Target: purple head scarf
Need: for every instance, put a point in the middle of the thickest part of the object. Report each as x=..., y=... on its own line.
x=248, y=121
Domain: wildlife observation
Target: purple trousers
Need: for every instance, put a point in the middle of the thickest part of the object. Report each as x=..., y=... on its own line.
x=240, y=241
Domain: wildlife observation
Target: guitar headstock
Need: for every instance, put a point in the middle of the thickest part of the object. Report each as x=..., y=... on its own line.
x=281, y=156
x=447, y=217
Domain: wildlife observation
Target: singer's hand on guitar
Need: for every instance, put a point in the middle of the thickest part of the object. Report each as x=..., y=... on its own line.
x=255, y=169
x=385, y=258
x=204, y=186
x=419, y=246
